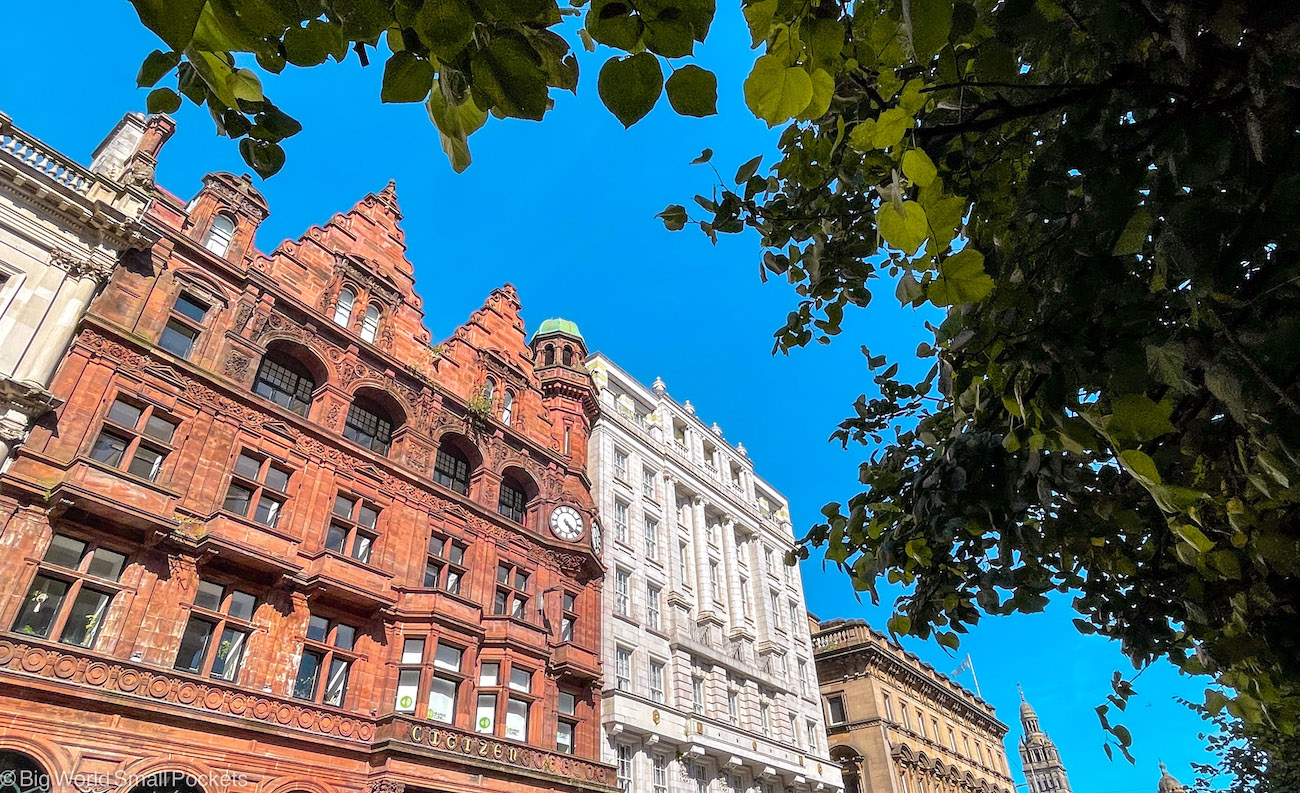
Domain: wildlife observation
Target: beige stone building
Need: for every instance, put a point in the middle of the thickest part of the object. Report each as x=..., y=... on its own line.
x=63, y=228
x=896, y=725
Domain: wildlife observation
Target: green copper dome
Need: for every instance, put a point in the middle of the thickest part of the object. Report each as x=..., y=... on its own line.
x=557, y=325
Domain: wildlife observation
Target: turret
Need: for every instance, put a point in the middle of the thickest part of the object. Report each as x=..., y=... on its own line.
x=559, y=355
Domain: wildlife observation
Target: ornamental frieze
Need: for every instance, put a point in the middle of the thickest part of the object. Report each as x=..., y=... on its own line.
x=147, y=685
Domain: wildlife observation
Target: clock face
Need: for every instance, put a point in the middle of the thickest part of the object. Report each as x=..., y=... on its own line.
x=595, y=538
x=566, y=523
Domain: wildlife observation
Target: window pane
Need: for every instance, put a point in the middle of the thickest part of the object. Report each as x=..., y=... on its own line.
x=146, y=463
x=40, y=607
x=521, y=581
x=242, y=605
x=489, y=674
x=567, y=703
x=85, y=617
x=343, y=506
x=432, y=574
x=368, y=429
x=230, y=653
x=453, y=582
x=209, y=595
x=194, y=644
x=485, y=718
x=345, y=636
x=521, y=679
x=517, y=719
x=564, y=737
x=107, y=564
x=362, y=547
x=108, y=448
x=337, y=538
x=520, y=611
x=436, y=545
x=448, y=657
x=566, y=629
x=451, y=470
x=191, y=308
x=500, y=602
x=284, y=386
x=238, y=499
x=248, y=466
x=124, y=413
x=442, y=700
x=317, y=629
x=336, y=688
x=510, y=504
x=304, y=684
x=503, y=573
x=65, y=552
x=343, y=308
x=277, y=478
x=413, y=651
x=408, y=690
x=160, y=428
x=368, y=517
x=370, y=323
x=178, y=338
x=268, y=511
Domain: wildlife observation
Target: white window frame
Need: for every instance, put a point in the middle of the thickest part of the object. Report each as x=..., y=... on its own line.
x=622, y=592
x=622, y=669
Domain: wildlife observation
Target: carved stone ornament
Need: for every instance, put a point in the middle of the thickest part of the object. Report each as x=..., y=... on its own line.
x=237, y=364
x=80, y=266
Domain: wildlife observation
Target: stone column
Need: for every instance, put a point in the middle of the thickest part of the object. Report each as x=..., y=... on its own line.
x=55, y=333
x=731, y=569
x=700, y=541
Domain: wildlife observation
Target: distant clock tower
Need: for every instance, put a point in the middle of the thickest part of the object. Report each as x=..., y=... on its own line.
x=1044, y=771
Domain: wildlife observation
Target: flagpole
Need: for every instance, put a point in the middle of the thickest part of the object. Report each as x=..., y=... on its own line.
x=971, y=664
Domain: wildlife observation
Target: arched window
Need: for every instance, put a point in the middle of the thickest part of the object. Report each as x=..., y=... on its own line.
x=548, y=355
x=370, y=324
x=490, y=389
x=343, y=308
x=21, y=774
x=220, y=233
x=568, y=356
x=513, y=499
x=368, y=425
x=507, y=407
x=451, y=469
x=282, y=379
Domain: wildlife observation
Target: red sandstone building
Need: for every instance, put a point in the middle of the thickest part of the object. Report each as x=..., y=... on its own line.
x=277, y=540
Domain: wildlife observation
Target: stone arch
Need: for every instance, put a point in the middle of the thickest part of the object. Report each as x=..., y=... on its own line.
x=299, y=360
x=38, y=754
x=170, y=775
x=294, y=784
x=389, y=399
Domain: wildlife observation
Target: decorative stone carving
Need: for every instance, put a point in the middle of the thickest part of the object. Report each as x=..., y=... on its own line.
x=237, y=364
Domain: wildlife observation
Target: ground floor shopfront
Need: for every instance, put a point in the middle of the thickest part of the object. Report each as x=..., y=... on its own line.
x=72, y=722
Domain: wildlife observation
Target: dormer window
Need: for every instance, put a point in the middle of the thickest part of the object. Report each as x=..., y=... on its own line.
x=343, y=308
x=370, y=324
x=220, y=233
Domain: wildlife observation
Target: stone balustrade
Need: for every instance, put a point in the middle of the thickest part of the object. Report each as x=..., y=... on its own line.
x=32, y=155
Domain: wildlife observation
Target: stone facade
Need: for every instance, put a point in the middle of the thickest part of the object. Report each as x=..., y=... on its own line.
x=896, y=725
x=63, y=228
x=277, y=540
x=1044, y=771
x=709, y=680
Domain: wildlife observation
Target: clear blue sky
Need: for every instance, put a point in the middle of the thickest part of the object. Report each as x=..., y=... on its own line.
x=565, y=211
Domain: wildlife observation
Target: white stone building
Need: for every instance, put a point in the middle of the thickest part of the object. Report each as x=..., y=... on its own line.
x=709, y=683
x=63, y=228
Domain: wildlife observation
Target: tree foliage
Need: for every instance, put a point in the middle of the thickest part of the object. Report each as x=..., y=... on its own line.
x=465, y=59
x=1102, y=198
x=1252, y=759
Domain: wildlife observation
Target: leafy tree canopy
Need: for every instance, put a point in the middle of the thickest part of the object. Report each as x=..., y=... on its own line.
x=1102, y=197
x=465, y=59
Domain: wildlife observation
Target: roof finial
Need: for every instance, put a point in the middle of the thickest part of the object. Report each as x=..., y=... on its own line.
x=1021, y=690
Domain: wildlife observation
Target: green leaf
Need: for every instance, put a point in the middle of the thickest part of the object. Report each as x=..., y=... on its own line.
x=311, y=45
x=674, y=217
x=931, y=24
x=670, y=34
x=905, y=227
x=156, y=65
x=948, y=639
x=163, y=100
x=1134, y=236
x=961, y=279
x=278, y=123
x=918, y=167
x=245, y=85
x=630, y=86
x=777, y=93
x=1135, y=418
x=263, y=157
x=823, y=86
x=559, y=63
x=1141, y=465
x=173, y=20
x=747, y=170
x=693, y=91
x=508, y=76
x=445, y=27
x=614, y=23
x=759, y=16
x=890, y=127
x=216, y=73
x=455, y=123
x=406, y=78
x=1193, y=536
x=705, y=156
x=899, y=624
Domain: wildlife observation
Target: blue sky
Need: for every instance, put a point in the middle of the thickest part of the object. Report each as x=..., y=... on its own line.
x=565, y=211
